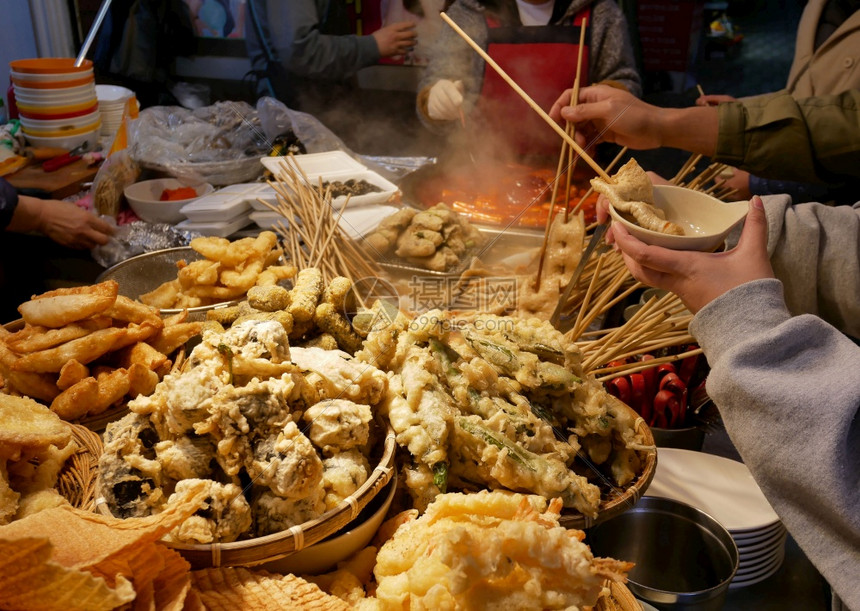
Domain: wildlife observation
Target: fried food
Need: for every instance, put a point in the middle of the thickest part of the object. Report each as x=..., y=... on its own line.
x=64, y=558
x=437, y=239
x=34, y=338
x=63, y=306
x=83, y=349
x=28, y=424
x=34, y=445
x=631, y=193
x=227, y=272
x=72, y=373
x=306, y=293
x=232, y=415
x=229, y=588
x=491, y=550
x=479, y=402
x=86, y=366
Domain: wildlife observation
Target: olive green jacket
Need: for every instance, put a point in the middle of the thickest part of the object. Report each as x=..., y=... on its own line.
x=776, y=136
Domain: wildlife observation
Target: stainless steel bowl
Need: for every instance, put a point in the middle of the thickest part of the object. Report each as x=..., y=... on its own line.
x=685, y=559
x=144, y=273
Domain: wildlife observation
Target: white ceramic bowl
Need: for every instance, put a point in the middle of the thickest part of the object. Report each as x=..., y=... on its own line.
x=144, y=199
x=62, y=133
x=705, y=219
x=65, y=142
x=113, y=94
x=324, y=556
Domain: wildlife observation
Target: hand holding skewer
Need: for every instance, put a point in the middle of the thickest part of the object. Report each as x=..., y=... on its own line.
x=555, y=126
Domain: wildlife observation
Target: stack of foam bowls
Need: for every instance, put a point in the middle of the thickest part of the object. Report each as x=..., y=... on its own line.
x=56, y=101
x=726, y=490
x=112, y=103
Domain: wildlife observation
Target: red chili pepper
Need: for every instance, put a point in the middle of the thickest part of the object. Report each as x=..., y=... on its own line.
x=667, y=409
x=664, y=369
x=638, y=398
x=688, y=368
x=672, y=382
x=650, y=376
x=619, y=387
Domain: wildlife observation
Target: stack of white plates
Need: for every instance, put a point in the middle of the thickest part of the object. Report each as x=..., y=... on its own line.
x=725, y=490
x=113, y=101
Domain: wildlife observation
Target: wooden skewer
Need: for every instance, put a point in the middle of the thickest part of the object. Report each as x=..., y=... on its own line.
x=555, y=126
x=565, y=152
x=614, y=372
x=570, y=128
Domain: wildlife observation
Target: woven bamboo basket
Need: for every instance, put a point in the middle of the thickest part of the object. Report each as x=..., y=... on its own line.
x=260, y=550
x=77, y=478
x=618, y=500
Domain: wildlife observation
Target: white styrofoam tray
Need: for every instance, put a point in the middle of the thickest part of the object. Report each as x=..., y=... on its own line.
x=314, y=165
x=225, y=204
x=356, y=223
x=216, y=207
x=221, y=229
x=329, y=166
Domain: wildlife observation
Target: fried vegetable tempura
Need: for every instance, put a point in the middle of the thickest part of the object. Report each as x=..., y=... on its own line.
x=491, y=550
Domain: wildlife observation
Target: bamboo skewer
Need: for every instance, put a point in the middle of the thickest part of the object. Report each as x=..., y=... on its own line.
x=543, y=115
x=570, y=128
x=614, y=372
x=565, y=152
x=314, y=236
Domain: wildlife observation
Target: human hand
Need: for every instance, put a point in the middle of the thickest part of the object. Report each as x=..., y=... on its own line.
x=713, y=100
x=396, y=38
x=445, y=100
x=740, y=182
x=71, y=226
x=609, y=114
x=697, y=277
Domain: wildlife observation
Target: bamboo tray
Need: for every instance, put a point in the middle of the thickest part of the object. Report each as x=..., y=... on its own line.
x=618, y=500
x=260, y=550
x=77, y=478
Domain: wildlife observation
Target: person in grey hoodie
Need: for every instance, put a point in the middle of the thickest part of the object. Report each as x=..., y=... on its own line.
x=778, y=313
x=536, y=42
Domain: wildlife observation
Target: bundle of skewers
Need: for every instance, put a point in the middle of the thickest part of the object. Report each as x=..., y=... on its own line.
x=311, y=227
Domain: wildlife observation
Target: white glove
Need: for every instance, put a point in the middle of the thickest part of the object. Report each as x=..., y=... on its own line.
x=445, y=100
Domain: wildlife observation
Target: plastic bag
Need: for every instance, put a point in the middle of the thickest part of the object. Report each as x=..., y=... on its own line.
x=116, y=172
x=220, y=144
x=277, y=119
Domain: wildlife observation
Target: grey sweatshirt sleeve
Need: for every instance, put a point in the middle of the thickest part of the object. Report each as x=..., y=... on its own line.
x=611, y=51
x=787, y=382
x=304, y=50
x=815, y=251
x=788, y=389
